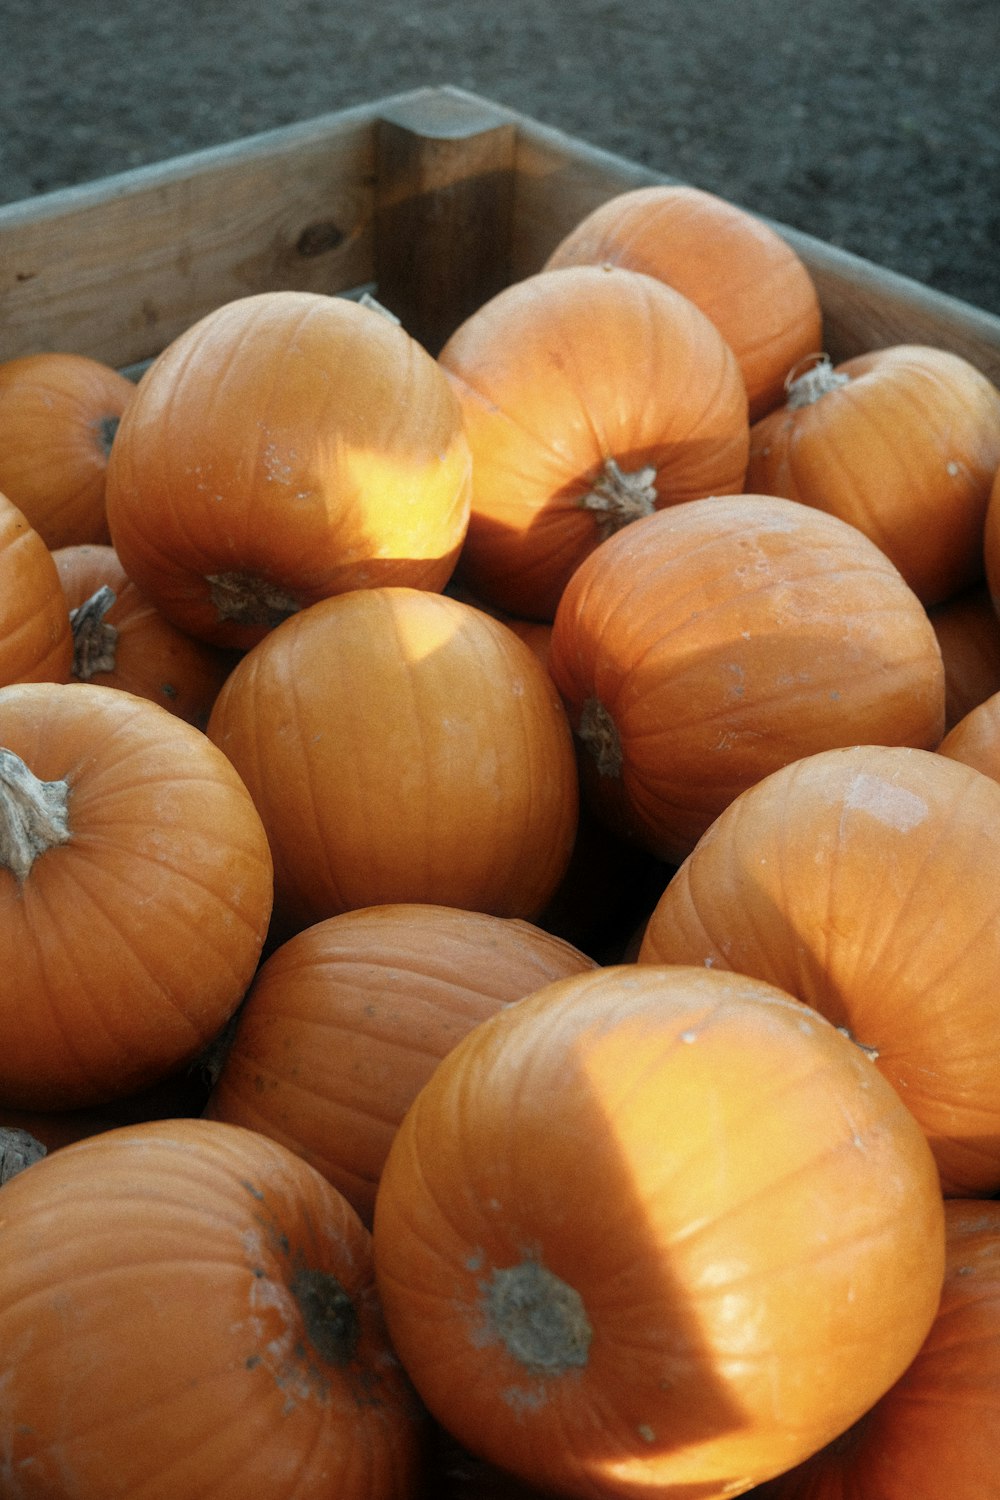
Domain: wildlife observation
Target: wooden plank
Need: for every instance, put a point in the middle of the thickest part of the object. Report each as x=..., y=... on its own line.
x=443, y=212
x=865, y=306
x=117, y=268
x=435, y=197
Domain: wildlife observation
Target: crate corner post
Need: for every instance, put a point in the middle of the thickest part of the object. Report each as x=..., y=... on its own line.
x=445, y=165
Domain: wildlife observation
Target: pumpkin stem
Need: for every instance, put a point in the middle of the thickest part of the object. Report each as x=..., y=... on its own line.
x=18, y=1149
x=250, y=600
x=94, y=638
x=871, y=1052
x=538, y=1317
x=599, y=733
x=33, y=815
x=812, y=378
x=106, y=427
x=374, y=305
x=329, y=1315
x=618, y=497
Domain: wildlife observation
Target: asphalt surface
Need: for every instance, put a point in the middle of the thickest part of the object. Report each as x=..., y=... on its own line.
x=876, y=127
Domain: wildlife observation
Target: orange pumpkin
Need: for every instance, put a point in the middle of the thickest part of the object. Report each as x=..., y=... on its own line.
x=934, y=1433
x=345, y=1022
x=591, y=396
x=656, y=1231
x=122, y=640
x=866, y=881
x=59, y=413
x=902, y=442
x=186, y=1308
x=402, y=746
x=135, y=892
x=36, y=643
x=704, y=647
x=968, y=632
x=975, y=738
x=287, y=447
x=991, y=542
x=730, y=263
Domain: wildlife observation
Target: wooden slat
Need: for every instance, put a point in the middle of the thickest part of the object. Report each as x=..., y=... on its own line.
x=117, y=268
x=865, y=306
x=435, y=197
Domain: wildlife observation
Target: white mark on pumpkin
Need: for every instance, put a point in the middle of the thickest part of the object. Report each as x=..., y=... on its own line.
x=894, y=806
x=646, y=1432
x=691, y=1036
x=952, y=467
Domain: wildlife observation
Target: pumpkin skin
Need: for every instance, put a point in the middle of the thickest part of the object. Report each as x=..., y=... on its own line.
x=345, y=1022
x=402, y=746
x=590, y=395
x=59, y=413
x=866, y=881
x=187, y=1308
x=975, y=739
x=991, y=543
x=902, y=442
x=704, y=647
x=129, y=934
x=736, y=268
x=942, y=1416
x=655, y=1231
x=287, y=447
x=122, y=640
x=968, y=632
x=36, y=643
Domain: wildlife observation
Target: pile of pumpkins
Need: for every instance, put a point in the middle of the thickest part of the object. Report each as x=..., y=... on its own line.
x=500, y=897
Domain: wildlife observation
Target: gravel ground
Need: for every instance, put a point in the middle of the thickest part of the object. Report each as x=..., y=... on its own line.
x=874, y=127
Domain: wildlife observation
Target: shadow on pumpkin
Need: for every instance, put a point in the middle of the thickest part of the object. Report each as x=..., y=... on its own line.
x=521, y=560
x=577, y=1308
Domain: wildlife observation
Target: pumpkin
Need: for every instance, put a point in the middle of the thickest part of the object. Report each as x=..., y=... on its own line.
x=402, y=746
x=122, y=640
x=591, y=396
x=975, y=738
x=968, y=632
x=730, y=263
x=135, y=892
x=866, y=881
x=903, y=442
x=59, y=413
x=286, y=447
x=711, y=643
x=36, y=643
x=656, y=1231
x=934, y=1432
x=991, y=542
x=188, y=1309
x=345, y=1022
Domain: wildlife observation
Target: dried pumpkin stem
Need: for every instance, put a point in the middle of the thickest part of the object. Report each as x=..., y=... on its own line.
x=599, y=733
x=250, y=600
x=812, y=378
x=618, y=497
x=95, y=639
x=33, y=815
x=18, y=1149
x=540, y=1318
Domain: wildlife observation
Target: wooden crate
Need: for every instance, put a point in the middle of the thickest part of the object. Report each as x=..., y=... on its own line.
x=432, y=199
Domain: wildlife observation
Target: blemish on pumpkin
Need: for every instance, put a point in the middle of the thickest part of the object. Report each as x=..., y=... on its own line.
x=646, y=1432
x=255, y=1192
x=894, y=806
